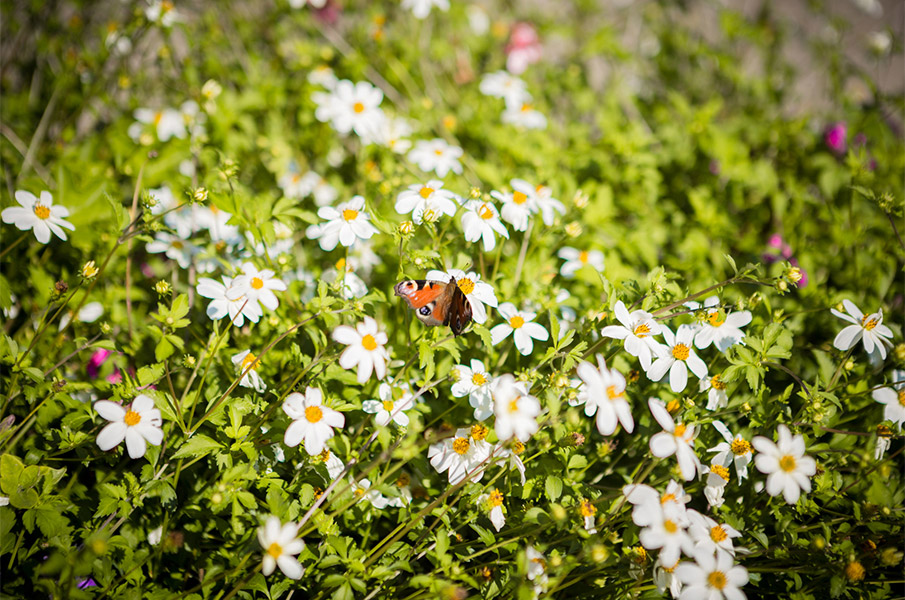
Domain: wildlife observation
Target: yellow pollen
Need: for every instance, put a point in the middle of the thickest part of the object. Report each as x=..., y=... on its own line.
x=787, y=463
x=324, y=456
x=717, y=383
x=358, y=107
x=672, y=406
x=41, y=211
x=460, y=445
x=613, y=394
x=314, y=414
x=721, y=471
x=680, y=352
x=868, y=325
x=517, y=447
x=177, y=244
x=539, y=188
x=478, y=379
x=516, y=322
x=902, y=396
x=740, y=447
x=296, y=178
x=132, y=418
x=426, y=192
x=587, y=509
x=388, y=405
x=466, y=285
x=248, y=360
x=513, y=406
x=715, y=320
x=583, y=257
x=341, y=264
x=369, y=343
x=495, y=499
x=526, y=107
x=350, y=214
x=680, y=430
x=718, y=534
x=157, y=117
x=359, y=492
x=670, y=526
x=667, y=498
x=275, y=550
x=641, y=330
x=717, y=579
x=519, y=197
x=479, y=432
x=438, y=152
x=257, y=283
x=485, y=213
x=403, y=480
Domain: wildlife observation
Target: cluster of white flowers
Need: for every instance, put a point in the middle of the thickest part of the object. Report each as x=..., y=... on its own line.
x=241, y=297
x=519, y=111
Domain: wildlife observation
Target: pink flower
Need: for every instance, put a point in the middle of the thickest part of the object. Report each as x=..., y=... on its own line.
x=835, y=137
x=524, y=48
x=95, y=362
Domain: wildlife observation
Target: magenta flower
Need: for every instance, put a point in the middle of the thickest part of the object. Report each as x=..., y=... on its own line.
x=524, y=48
x=94, y=363
x=835, y=137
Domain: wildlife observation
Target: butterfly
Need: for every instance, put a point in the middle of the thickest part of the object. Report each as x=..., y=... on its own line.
x=436, y=302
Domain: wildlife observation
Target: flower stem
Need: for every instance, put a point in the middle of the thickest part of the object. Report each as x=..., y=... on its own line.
x=14, y=244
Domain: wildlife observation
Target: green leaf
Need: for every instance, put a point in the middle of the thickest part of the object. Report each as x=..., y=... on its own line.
x=150, y=374
x=553, y=487
x=197, y=445
x=10, y=468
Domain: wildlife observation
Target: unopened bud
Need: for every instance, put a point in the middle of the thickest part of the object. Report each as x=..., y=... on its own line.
x=162, y=288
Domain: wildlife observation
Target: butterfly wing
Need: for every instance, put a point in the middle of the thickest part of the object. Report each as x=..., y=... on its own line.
x=426, y=298
x=459, y=311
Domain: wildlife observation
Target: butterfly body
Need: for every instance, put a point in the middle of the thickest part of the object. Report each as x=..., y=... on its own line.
x=436, y=302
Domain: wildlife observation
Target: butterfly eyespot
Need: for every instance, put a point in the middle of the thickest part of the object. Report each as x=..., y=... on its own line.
x=424, y=310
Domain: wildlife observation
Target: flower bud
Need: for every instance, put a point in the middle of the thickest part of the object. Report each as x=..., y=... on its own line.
x=406, y=228
x=90, y=270
x=162, y=288
x=199, y=195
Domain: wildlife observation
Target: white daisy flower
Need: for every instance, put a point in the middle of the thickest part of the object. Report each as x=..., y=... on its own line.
x=520, y=324
x=395, y=399
x=710, y=536
x=420, y=198
x=787, y=467
x=39, y=215
x=893, y=399
x=89, y=313
x=294, y=184
x=257, y=285
x=312, y=422
x=351, y=286
x=475, y=382
x=168, y=123
x=215, y=221
x=867, y=328
x=422, y=8
x=501, y=84
x=460, y=456
x=321, y=75
x=665, y=578
x=712, y=576
x=281, y=547
x=480, y=221
x=605, y=395
x=174, y=248
x=576, y=259
x=344, y=224
x=677, y=358
x=493, y=503
x=476, y=291
x=393, y=133
x=365, y=349
x=351, y=107
x=162, y=12
x=676, y=438
x=138, y=425
x=247, y=366
x=715, y=484
x=588, y=512
x=734, y=450
x=524, y=115
x=437, y=156
x=637, y=329
x=548, y=206
x=651, y=506
x=512, y=457
x=720, y=330
x=516, y=411
x=224, y=303
x=668, y=534
x=717, y=396
x=517, y=205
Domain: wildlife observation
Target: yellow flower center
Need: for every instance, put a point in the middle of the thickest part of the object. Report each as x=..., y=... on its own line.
x=478, y=379
x=341, y=264
x=157, y=117
x=426, y=192
x=717, y=579
x=41, y=211
x=902, y=396
x=296, y=178
x=132, y=418
x=680, y=430
x=485, y=213
x=641, y=330
x=359, y=492
x=583, y=257
x=438, y=152
x=670, y=526
x=587, y=509
x=257, y=283
x=667, y=498
x=275, y=550
x=718, y=534
x=313, y=414
x=466, y=285
x=388, y=405
x=248, y=361
x=869, y=324
x=715, y=319
x=369, y=343
x=787, y=463
x=516, y=322
x=495, y=498
x=517, y=447
x=460, y=445
x=350, y=214
x=358, y=107
x=721, y=471
x=513, y=406
x=612, y=393
x=479, y=432
x=526, y=107
x=403, y=480
x=672, y=406
x=717, y=383
x=324, y=456
x=680, y=352
x=519, y=197
x=740, y=447
x=177, y=244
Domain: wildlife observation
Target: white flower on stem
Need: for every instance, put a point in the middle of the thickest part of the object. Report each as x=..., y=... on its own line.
x=516, y=411
x=247, y=365
x=867, y=328
x=637, y=329
x=480, y=222
x=216, y=222
x=162, y=12
x=493, y=503
x=437, y=156
x=40, y=215
x=668, y=535
x=721, y=330
x=174, y=248
x=474, y=382
x=665, y=578
x=476, y=291
x=577, y=259
x=321, y=75
x=344, y=224
x=588, y=513
x=312, y=422
x=138, y=425
x=365, y=349
x=350, y=284
x=419, y=198
x=512, y=456
x=460, y=456
x=238, y=308
x=257, y=285
x=712, y=576
x=281, y=546
x=548, y=206
x=323, y=192
x=677, y=358
x=524, y=115
x=168, y=123
x=787, y=467
x=893, y=399
x=537, y=566
x=734, y=450
x=89, y=313
x=651, y=506
x=676, y=438
x=395, y=399
x=351, y=107
x=393, y=133
x=605, y=395
x=518, y=205
x=422, y=8
x=716, y=481
x=710, y=536
x=334, y=465
x=294, y=184
x=717, y=397
x=501, y=84
x=522, y=327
